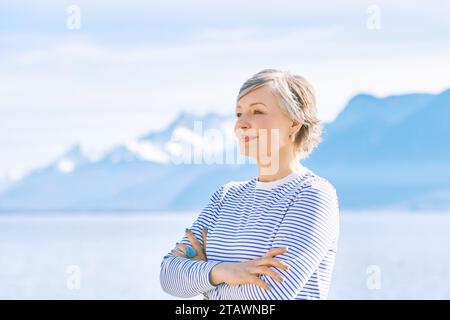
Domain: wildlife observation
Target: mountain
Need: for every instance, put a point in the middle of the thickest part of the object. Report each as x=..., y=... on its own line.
x=390, y=152
x=387, y=151
x=150, y=173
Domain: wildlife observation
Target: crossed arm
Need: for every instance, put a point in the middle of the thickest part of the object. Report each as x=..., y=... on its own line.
x=308, y=229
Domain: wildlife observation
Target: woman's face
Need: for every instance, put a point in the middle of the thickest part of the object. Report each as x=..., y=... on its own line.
x=261, y=126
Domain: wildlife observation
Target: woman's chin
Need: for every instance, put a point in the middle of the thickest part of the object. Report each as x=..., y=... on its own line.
x=253, y=155
x=246, y=153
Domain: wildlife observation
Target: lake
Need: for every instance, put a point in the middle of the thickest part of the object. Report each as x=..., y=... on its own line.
x=381, y=255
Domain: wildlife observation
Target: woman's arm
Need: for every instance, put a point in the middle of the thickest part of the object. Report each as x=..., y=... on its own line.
x=308, y=229
x=186, y=278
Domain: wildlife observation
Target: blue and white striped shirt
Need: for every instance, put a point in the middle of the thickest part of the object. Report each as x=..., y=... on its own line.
x=245, y=219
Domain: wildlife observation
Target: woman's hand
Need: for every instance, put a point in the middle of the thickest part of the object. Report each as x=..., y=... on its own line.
x=247, y=272
x=201, y=250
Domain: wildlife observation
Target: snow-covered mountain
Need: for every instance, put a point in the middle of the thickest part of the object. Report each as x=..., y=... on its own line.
x=389, y=152
x=157, y=171
x=70, y=160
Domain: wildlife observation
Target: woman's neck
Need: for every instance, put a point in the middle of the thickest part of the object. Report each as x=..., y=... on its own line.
x=285, y=168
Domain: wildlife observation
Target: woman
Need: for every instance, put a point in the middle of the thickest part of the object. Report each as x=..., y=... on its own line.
x=287, y=211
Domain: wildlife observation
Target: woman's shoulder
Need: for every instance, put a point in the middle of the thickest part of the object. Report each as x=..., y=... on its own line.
x=232, y=186
x=237, y=185
x=313, y=180
x=317, y=188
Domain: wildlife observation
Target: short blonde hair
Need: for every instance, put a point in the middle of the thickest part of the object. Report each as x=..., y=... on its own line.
x=297, y=99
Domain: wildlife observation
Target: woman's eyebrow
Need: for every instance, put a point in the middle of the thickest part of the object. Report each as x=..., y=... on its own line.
x=251, y=104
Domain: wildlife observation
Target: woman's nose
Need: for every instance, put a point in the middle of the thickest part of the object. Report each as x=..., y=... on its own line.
x=242, y=126
x=242, y=123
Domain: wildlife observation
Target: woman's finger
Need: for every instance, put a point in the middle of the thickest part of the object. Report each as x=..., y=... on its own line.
x=204, y=234
x=276, y=251
x=272, y=262
x=181, y=246
x=195, y=244
x=176, y=253
x=259, y=282
x=269, y=272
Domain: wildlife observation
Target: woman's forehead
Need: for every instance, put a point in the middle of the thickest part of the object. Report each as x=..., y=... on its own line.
x=260, y=95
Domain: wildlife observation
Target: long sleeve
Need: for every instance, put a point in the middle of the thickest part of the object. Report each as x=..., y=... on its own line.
x=186, y=278
x=309, y=228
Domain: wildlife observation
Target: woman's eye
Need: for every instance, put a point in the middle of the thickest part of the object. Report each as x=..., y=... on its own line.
x=256, y=111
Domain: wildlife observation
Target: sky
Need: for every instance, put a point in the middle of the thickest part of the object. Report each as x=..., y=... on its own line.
x=125, y=68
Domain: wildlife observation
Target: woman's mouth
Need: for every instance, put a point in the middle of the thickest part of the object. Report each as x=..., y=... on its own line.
x=247, y=138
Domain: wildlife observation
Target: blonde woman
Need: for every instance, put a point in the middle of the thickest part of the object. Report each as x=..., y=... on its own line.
x=274, y=236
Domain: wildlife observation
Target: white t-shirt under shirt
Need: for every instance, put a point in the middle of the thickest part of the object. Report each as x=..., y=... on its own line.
x=273, y=184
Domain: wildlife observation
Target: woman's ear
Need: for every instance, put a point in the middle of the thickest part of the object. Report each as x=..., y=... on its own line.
x=295, y=127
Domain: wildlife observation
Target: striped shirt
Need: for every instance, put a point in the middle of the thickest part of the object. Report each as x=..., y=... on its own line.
x=245, y=219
